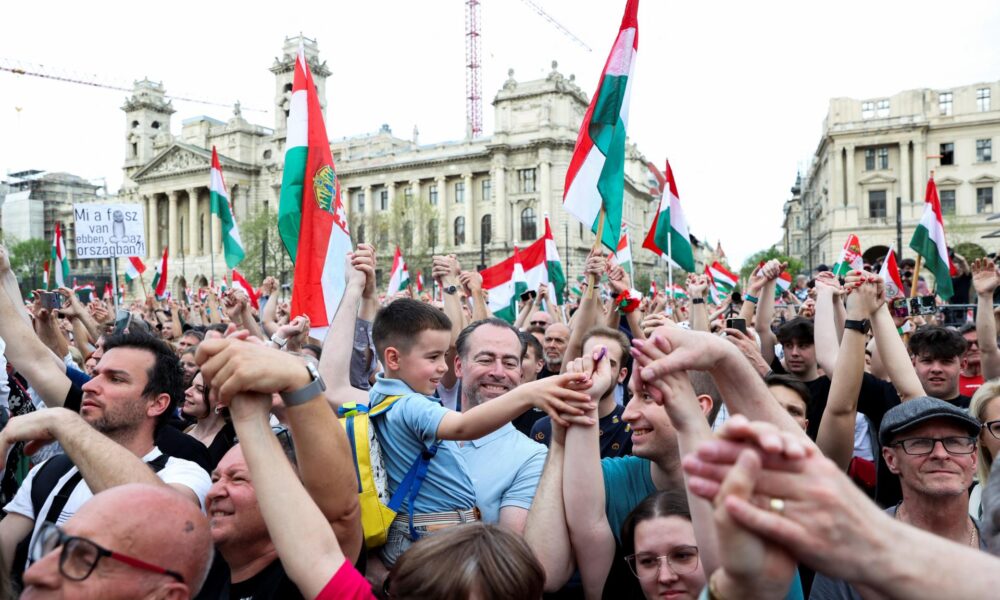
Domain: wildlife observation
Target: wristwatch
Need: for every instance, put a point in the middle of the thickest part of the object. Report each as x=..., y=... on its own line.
x=863, y=326
x=450, y=289
x=305, y=394
x=697, y=300
x=278, y=340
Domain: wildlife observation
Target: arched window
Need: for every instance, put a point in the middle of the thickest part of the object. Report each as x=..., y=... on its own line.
x=529, y=224
x=486, y=229
x=459, y=231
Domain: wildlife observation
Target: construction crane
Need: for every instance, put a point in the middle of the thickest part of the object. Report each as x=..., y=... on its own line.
x=473, y=61
x=19, y=67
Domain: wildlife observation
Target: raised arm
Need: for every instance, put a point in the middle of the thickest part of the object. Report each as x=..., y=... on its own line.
x=75, y=310
x=751, y=296
x=827, y=338
x=583, y=488
x=985, y=279
x=895, y=357
x=473, y=283
x=765, y=310
x=546, y=531
x=697, y=289
x=836, y=430
x=590, y=309
x=268, y=317
x=335, y=360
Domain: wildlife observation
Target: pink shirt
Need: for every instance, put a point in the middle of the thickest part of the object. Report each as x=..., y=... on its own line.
x=346, y=584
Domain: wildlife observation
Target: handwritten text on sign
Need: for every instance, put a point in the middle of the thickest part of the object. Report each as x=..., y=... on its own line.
x=108, y=230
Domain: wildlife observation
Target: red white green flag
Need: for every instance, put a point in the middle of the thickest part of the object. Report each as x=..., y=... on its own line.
x=420, y=282
x=59, y=262
x=850, y=257
x=668, y=235
x=399, y=278
x=890, y=275
x=677, y=292
x=240, y=282
x=311, y=217
x=623, y=255
x=160, y=278
x=722, y=278
x=134, y=268
x=508, y=279
x=928, y=241
x=595, y=180
x=232, y=245
x=557, y=276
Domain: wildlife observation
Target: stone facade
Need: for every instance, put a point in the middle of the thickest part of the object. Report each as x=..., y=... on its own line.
x=875, y=151
x=477, y=198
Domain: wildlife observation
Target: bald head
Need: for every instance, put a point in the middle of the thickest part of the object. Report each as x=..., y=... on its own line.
x=556, y=340
x=152, y=523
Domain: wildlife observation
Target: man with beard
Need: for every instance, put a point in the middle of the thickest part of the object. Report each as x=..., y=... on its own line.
x=554, y=345
x=616, y=434
x=109, y=443
x=505, y=465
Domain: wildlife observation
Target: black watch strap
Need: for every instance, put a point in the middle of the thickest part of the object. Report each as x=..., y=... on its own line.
x=862, y=326
x=697, y=300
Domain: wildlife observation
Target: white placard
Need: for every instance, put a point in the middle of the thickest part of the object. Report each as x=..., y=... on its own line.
x=109, y=230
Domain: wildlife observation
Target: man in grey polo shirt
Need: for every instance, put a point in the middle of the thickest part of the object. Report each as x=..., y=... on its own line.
x=931, y=445
x=505, y=465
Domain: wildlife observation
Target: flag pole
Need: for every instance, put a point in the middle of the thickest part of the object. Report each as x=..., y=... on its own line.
x=670, y=262
x=597, y=242
x=114, y=280
x=917, y=265
x=211, y=249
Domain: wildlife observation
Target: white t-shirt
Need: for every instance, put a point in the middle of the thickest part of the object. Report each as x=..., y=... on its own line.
x=4, y=388
x=176, y=471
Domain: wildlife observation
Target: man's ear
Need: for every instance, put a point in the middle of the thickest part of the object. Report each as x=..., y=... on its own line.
x=622, y=374
x=706, y=403
x=890, y=459
x=458, y=367
x=159, y=404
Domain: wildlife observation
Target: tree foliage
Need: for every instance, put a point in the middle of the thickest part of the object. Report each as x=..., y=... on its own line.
x=412, y=224
x=795, y=265
x=27, y=260
x=259, y=232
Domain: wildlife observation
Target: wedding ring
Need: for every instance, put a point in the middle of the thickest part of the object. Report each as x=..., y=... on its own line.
x=777, y=505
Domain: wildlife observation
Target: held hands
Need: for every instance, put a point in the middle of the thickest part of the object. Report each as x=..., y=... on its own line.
x=471, y=281
x=985, y=276
x=4, y=260
x=866, y=294
x=363, y=259
x=562, y=397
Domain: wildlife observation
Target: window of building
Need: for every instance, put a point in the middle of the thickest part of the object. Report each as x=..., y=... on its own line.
x=984, y=200
x=459, y=192
x=882, y=108
x=529, y=224
x=944, y=103
x=433, y=195
x=526, y=180
x=869, y=159
x=408, y=196
x=798, y=222
x=359, y=200
x=487, y=190
x=876, y=204
x=984, y=150
x=486, y=229
x=383, y=200
x=883, y=157
x=947, y=202
x=948, y=154
x=432, y=233
x=867, y=109
x=459, y=231
x=983, y=99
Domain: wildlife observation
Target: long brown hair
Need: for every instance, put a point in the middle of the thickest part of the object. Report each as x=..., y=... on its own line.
x=480, y=559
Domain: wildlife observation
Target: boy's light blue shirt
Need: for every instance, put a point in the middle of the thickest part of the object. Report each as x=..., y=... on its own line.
x=408, y=429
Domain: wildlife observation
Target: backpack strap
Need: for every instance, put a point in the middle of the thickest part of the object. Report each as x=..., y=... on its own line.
x=410, y=486
x=47, y=478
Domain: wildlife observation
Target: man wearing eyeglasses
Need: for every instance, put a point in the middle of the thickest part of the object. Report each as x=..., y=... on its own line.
x=132, y=541
x=930, y=445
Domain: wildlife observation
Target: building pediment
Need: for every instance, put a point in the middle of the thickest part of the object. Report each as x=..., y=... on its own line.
x=948, y=181
x=984, y=178
x=183, y=159
x=877, y=179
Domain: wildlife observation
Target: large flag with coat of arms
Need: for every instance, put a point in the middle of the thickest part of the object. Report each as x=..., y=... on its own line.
x=850, y=257
x=890, y=276
x=595, y=180
x=311, y=217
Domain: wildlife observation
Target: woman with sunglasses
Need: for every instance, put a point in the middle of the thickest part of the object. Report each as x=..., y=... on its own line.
x=985, y=406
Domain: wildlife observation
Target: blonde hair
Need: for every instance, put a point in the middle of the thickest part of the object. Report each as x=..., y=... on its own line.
x=987, y=393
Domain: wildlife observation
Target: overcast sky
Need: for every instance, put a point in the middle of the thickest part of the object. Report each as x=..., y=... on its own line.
x=733, y=92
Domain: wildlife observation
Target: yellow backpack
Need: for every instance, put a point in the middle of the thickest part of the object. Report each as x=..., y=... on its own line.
x=378, y=510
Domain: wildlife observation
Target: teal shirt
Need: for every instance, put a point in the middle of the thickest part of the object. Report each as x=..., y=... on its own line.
x=794, y=592
x=627, y=482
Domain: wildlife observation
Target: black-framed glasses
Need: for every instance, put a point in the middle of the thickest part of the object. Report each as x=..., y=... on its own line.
x=681, y=560
x=993, y=427
x=79, y=556
x=959, y=444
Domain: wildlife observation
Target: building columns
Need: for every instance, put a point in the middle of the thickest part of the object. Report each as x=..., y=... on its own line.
x=471, y=226
x=904, y=174
x=851, y=183
x=173, y=227
x=545, y=180
x=192, y=233
x=500, y=200
x=446, y=229
x=154, y=224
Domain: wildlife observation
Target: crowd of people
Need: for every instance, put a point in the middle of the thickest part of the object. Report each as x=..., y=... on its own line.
x=809, y=444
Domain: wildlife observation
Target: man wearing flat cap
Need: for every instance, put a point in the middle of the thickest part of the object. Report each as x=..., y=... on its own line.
x=930, y=445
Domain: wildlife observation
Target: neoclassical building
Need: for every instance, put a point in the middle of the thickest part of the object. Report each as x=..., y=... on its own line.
x=875, y=151
x=476, y=198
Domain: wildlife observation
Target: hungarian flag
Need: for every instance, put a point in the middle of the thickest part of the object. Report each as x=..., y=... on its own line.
x=850, y=257
x=60, y=263
x=420, y=282
x=890, y=276
x=311, y=218
x=677, y=292
x=669, y=230
x=232, y=245
x=623, y=256
x=783, y=283
x=240, y=282
x=928, y=241
x=595, y=180
x=108, y=291
x=652, y=288
x=557, y=277
x=507, y=280
x=399, y=277
x=160, y=278
x=716, y=296
x=721, y=277
x=134, y=268
x=45, y=274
